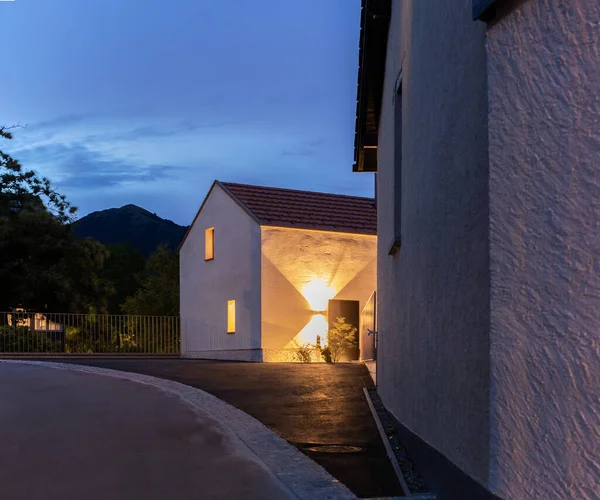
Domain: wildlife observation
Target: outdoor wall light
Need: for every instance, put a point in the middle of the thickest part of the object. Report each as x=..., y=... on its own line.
x=318, y=294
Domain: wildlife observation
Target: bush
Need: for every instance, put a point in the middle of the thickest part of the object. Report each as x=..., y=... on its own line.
x=326, y=354
x=303, y=353
x=341, y=336
x=22, y=339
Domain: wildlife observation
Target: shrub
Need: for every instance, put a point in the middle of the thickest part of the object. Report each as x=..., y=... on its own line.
x=303, y=353
x=22, y=339
x=341, y=336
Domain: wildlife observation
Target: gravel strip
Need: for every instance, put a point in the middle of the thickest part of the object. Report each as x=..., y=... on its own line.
x=414, y=479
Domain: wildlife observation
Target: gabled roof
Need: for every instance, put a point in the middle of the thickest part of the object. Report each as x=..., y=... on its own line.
x=306, y=209
x=291, y=208
x=279, y=207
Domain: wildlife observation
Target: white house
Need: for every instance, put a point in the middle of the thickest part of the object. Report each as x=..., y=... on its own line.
x=485, y=140
x=265, y=270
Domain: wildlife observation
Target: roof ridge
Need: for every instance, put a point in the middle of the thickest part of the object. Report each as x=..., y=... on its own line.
x=303, y=191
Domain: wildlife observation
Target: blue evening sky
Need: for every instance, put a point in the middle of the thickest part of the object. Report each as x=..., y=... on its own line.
x=148, y=101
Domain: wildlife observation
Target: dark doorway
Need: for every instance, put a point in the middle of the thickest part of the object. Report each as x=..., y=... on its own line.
x=348, y=309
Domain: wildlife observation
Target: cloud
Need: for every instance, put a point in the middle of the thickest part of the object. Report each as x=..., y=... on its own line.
x=309, y=148
x=167, y=164
x=155, y=131
x=77, y=166
x=62, y=121
x=106, y=132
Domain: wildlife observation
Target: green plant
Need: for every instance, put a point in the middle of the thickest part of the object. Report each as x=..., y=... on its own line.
x=326, y=354
x=341, y=336
x=22, y=339
x=158, y=293
x=303, y=352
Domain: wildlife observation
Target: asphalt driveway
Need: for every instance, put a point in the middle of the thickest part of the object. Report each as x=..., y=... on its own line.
x=310, y=406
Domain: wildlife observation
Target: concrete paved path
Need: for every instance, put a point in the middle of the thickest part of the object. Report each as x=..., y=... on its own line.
x=70, y=435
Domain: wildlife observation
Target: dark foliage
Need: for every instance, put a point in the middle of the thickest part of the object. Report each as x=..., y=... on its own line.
x=42, y=265
x=158, y=294
x=49, y=263
x=123, y=270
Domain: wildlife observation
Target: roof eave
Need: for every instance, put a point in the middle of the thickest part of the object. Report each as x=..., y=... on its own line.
x=228, y=193
x=483, y=10
x=239, y=202
x=196, y=216
x=345, y=230
x=375, y=19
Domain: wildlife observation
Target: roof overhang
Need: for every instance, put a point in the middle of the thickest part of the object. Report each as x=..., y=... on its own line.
x=374, y=24
x=483, y=9
x=491, y=11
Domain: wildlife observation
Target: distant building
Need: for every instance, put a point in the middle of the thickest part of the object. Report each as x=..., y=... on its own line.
x=264, y=271
x=480, y=119
x=32, y=320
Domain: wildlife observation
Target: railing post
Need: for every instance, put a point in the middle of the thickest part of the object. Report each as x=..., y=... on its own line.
x=62, y=330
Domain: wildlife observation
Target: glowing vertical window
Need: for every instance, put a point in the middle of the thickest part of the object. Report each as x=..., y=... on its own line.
x=231, y=316
x=209, y=243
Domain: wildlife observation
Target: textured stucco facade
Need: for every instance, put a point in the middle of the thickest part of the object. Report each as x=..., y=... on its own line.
x=544, y=128
x=433, y=296
x=207, y=286
x=295, y=258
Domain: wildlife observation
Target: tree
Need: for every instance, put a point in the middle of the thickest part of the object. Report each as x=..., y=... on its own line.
x=340, y=338
x=123, y=270
x=20, y=189
x=81, y=286
x=158, y=294
x=42, y=266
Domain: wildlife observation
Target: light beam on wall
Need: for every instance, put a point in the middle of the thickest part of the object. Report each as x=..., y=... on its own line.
x=318, y=294
x=308, y=335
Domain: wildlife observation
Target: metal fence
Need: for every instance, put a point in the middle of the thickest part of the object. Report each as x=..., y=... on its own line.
x=56, y=333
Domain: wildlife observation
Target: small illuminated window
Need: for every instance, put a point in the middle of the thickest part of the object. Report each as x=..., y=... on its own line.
x=209, y=243
x=231, y=316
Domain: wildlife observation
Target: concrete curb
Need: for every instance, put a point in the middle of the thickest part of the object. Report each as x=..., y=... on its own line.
x=392, y=456
x=304, y=478
x=386, y=444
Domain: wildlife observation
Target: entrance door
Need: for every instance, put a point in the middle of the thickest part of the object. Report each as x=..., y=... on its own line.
x=368, y=328
x=349, y=310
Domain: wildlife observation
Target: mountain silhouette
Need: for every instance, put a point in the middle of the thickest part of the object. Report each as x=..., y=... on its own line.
x=130, y=225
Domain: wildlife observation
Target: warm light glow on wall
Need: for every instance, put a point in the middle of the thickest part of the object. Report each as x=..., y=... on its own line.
x=318, y=294
x=308, y=335
x=209, y=243
x=301, y=272
x=231, y=316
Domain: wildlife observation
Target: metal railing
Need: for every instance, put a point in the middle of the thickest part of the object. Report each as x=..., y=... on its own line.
x=57, y=333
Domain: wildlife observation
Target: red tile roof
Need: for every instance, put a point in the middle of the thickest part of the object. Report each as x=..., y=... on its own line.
x=306, y=209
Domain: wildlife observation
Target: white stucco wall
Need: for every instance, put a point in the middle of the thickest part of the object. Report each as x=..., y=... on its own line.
x=433, y=296
x=544, y=129
x=292, y=258
x=233, y=274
